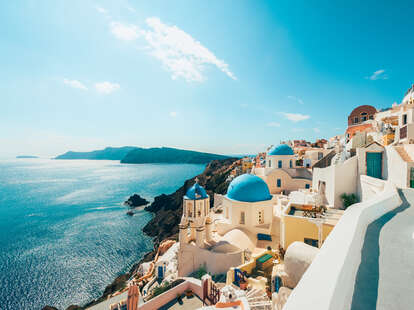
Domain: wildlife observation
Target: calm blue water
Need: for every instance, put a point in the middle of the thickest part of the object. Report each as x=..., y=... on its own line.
x=64, y=233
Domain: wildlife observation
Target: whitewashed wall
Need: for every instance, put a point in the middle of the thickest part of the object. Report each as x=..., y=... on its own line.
x=339, y=179
x=328, y=283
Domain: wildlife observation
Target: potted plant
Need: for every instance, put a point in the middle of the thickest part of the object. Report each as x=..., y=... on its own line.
x=268, y=292
x=189, y=293
x=243, y=284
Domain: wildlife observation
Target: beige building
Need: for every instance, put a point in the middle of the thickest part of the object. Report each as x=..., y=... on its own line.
x=308, y=224
x=281, y=173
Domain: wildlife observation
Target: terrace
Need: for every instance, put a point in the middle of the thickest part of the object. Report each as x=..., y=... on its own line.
x=256, y=273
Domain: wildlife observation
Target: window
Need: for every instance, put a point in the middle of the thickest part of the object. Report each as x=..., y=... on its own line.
x=290, y=164
x=356, y=120
x=279, y=183
x=261, y=217
x=307, y=186
x=312, y=242
x=364, y=116
x=404, y=119
x=242, y=217
x=270, y=163
x=279, y=164
x=320, y=155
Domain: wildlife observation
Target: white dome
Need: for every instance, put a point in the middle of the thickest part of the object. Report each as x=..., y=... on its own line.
x=233, y=241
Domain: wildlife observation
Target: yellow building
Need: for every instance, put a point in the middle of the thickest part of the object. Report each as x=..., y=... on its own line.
x=247, y=164
x=307, y=224
x=388, y=138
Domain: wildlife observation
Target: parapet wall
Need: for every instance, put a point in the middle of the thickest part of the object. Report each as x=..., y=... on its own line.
x=328, y=284
x=161, y=300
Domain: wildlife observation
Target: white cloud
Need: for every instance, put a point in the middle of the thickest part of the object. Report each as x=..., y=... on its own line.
x=273, y=124
x=295, y=117
x=298, y=100
x=101, y=10
x=378, y=75
x=125, y=32
x=131, y=9
x=317, y=130
x=178, y=51
x=75, y=84
x=173, y=114
x=106, y=87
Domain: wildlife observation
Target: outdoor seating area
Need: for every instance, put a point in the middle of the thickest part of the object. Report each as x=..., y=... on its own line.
x=256, y=273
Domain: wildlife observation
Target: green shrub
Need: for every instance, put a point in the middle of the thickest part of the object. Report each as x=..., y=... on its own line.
x=348, y=200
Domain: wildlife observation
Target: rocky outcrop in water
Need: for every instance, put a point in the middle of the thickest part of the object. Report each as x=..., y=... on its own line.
x=136, y=201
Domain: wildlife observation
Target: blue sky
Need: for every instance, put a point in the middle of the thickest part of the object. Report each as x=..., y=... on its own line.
x=218, y=76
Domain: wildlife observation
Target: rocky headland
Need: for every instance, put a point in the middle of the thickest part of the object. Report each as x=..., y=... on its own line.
x=167, y=210
x=139, y=155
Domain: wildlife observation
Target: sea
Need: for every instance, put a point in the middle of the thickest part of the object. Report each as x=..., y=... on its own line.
x=64, y=232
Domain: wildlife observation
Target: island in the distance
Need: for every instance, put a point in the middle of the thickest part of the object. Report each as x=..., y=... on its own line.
x=137, y=155
x=109, y=153
x=26, y=156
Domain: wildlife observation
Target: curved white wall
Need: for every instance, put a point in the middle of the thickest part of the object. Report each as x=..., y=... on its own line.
x=329, y=281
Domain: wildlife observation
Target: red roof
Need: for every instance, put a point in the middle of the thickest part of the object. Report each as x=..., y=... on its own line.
x=359, y=128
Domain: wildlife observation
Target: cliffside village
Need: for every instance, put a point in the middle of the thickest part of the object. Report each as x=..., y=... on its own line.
x=297, y=227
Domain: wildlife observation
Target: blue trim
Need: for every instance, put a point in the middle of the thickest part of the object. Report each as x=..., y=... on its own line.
x=264, y=237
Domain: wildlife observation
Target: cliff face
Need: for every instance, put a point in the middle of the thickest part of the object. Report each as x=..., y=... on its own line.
x=167, y=209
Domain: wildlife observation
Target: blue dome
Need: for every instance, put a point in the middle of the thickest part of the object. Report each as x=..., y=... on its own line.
x=196, y=192
x=282, y=149
x=248, y=188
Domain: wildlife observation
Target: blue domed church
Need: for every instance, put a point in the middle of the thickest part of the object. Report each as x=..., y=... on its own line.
x=248, y=204
x=281, y=173
x=220, y=240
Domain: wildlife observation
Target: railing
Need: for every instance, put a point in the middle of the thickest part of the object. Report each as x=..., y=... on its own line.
x=325, y=161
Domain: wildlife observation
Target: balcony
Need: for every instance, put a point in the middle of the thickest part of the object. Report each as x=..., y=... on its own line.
x=403, y=132
x=407, y=132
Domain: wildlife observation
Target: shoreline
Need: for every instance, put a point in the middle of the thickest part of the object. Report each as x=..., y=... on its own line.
x=166, y=224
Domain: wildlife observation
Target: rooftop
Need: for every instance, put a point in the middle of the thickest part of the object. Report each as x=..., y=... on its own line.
x=196, y=192
x=248, y=188
x=282, y=149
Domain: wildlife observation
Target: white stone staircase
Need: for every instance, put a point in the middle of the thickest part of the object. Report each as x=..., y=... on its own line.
x=258, y=300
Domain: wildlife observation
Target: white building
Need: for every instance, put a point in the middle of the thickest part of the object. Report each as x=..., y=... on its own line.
x=281, y=173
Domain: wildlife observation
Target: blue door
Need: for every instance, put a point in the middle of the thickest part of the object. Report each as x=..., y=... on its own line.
x=374, y=165
x=278, y=284
x=160, y=272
